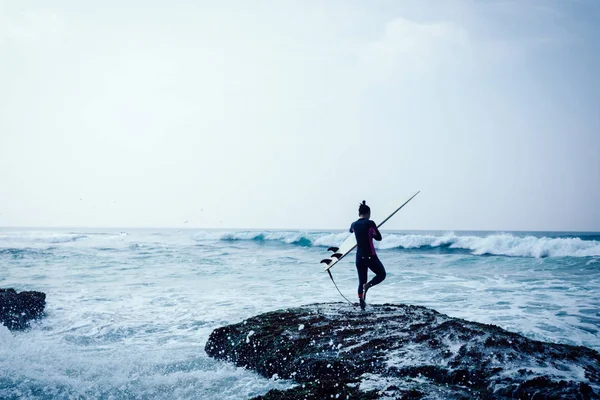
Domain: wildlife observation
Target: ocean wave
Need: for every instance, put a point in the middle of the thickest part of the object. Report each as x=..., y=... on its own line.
x=498, y=244
x=23, y=253
x=296, y=238
x=41, y=237
x=502, y=244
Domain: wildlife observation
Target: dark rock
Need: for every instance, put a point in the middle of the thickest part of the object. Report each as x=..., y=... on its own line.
x=402, y=352
x=320, y=390
x=17, y=309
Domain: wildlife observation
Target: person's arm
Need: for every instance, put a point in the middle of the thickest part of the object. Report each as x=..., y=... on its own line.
x=377, y=234
x=352, y=228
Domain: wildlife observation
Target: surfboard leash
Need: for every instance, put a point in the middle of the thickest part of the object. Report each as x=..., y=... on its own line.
x=338, y=289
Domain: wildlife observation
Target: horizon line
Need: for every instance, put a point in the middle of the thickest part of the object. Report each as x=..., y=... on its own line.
x=290, y=229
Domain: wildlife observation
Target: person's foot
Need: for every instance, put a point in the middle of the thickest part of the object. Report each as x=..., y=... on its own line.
x=365, y=288
x=363, y=305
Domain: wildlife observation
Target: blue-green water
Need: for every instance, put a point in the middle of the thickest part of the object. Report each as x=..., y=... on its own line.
x=129, y=310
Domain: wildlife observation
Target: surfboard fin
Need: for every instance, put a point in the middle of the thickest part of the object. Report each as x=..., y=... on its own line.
x=326, y=261
x=336, y=255
x=334, y=249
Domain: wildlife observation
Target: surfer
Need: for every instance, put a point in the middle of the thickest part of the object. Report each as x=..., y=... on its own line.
x=365, y=231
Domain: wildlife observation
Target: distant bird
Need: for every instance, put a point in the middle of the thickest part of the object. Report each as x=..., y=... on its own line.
x=186, y=221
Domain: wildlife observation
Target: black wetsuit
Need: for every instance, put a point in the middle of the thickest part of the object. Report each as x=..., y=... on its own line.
x=365, y=231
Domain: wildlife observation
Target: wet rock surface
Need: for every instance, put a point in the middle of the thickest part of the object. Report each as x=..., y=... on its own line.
x=399, y=351
x=18, y=309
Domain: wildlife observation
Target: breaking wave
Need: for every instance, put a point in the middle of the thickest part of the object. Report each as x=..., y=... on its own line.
x=503, y=244
x=498, y=244
x=42, y=237
x=296, y=238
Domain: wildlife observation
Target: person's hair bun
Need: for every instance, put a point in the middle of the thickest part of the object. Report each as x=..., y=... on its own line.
x=363, y=208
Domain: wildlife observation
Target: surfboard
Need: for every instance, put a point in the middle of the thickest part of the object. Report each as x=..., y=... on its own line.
x=350, y=243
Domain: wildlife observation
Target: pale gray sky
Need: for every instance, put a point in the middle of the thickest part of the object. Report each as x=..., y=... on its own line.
x=286, y=114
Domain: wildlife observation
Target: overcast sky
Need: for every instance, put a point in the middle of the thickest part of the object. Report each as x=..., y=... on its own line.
x=286, y=114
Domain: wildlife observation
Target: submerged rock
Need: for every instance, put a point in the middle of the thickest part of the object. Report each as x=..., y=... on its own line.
x=17, y=309
x=400, y=351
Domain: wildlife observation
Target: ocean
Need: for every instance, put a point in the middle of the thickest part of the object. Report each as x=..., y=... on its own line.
x=129, y=310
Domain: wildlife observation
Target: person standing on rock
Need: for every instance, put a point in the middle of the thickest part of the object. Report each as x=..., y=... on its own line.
x=365, y=231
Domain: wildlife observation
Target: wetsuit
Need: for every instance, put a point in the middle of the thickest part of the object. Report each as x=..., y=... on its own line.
x=365, y=231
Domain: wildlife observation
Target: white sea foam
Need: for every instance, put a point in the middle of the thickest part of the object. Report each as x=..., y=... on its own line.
x=498, y=244
x=132, y=321
x=35, y=237
x=503, y=244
